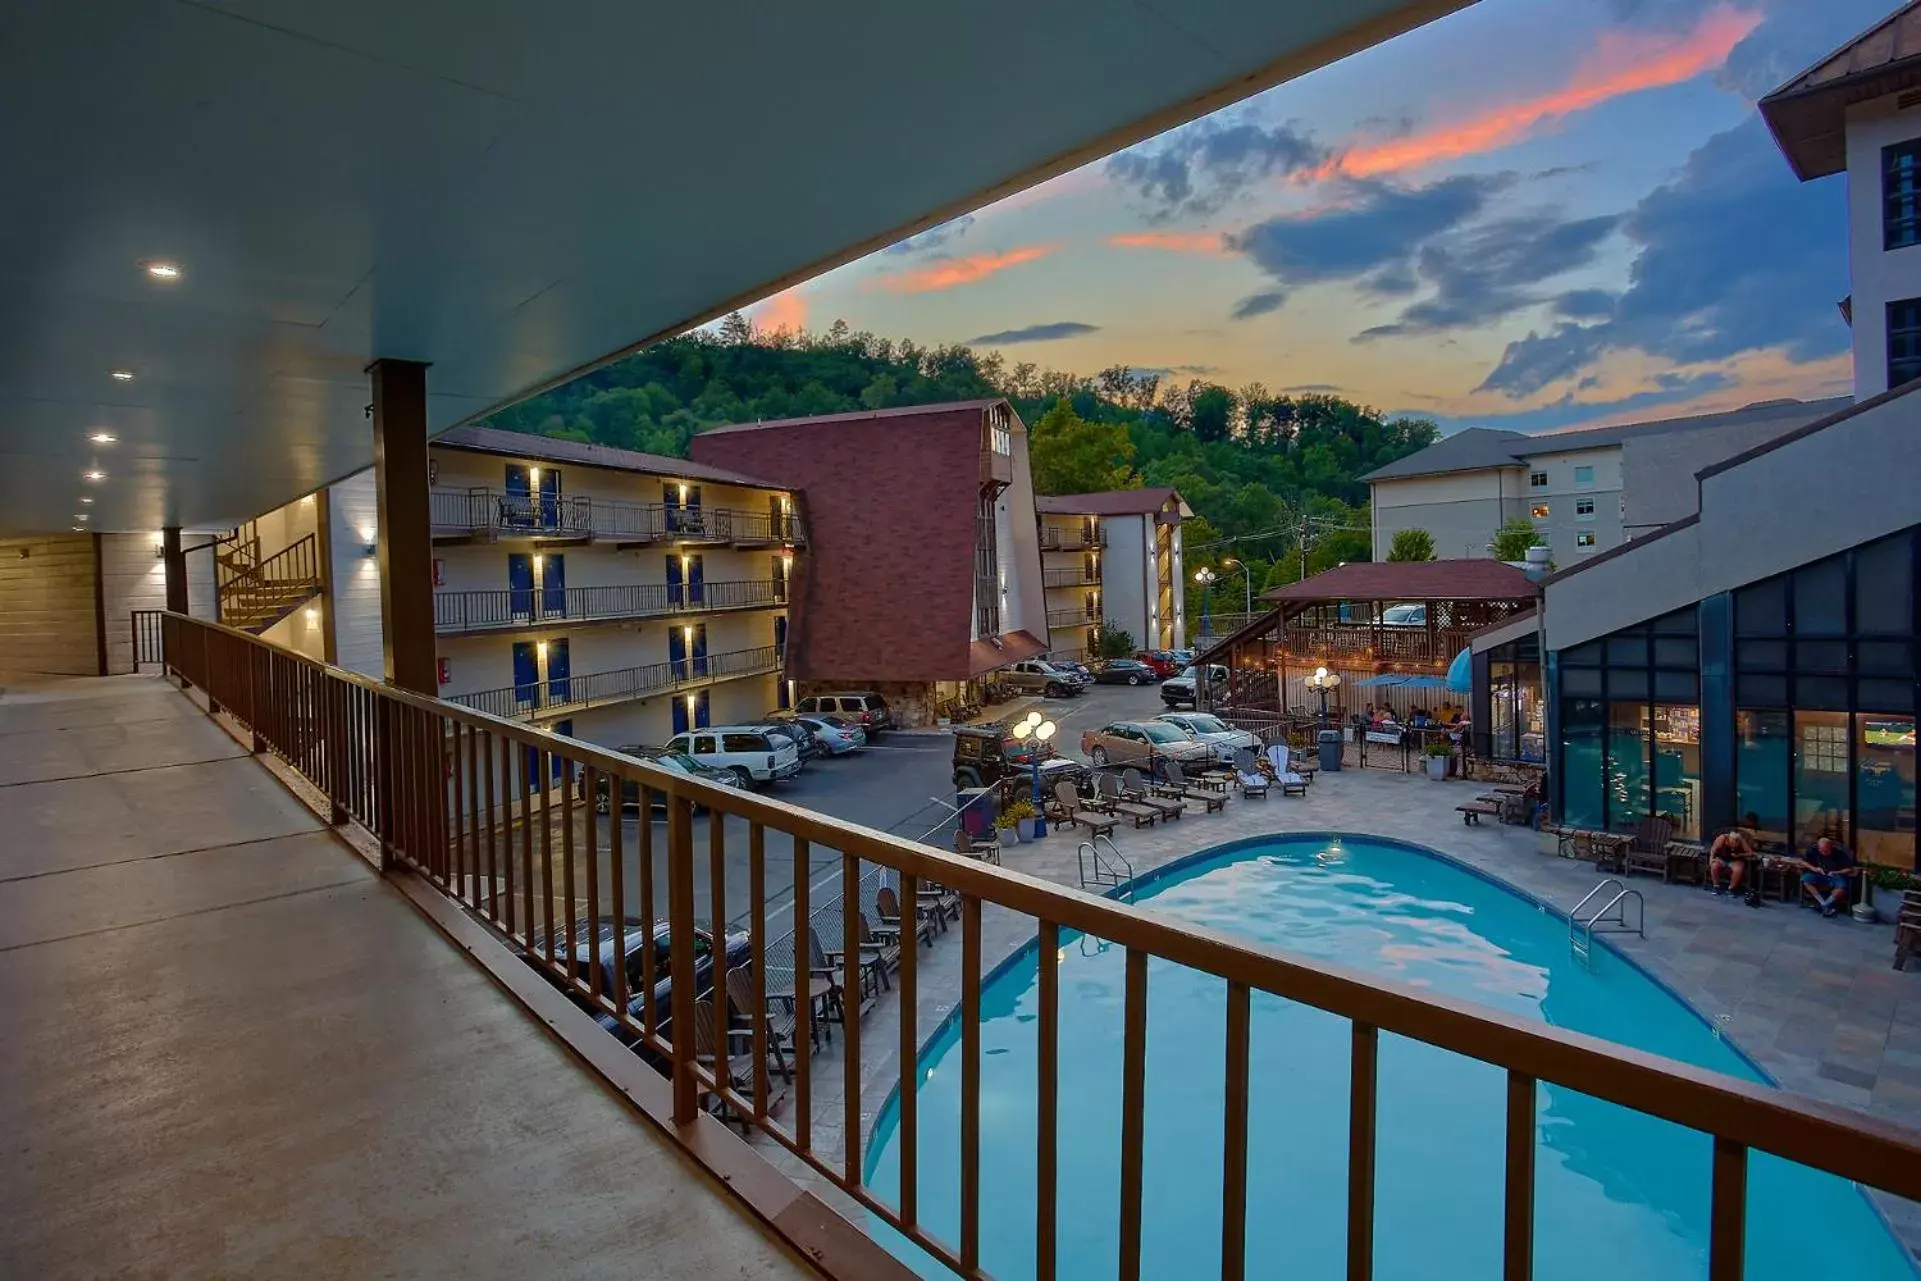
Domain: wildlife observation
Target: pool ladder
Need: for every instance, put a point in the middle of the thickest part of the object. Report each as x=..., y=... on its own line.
x=1105, y=872
x=1612, y=914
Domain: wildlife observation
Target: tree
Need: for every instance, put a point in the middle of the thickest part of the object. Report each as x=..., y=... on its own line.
x=1070, y=455
x=1411, y=544
x=1512, y=540
x=1113, y=641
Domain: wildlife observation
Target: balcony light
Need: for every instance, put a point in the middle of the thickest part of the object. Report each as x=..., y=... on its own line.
x=102, y=437
x=95, y=475
x=160, y=269
x=120, y=375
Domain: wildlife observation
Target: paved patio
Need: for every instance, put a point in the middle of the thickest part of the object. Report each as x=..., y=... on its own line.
x=1813, y=1001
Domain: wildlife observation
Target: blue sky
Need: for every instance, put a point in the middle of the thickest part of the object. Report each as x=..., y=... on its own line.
x=1530, y=214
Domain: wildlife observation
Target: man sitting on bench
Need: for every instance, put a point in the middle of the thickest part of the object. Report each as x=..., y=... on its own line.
x=1825, y=878
x=1729, y=856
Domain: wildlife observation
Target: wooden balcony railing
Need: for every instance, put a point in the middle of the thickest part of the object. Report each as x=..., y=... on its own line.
x=1360, y=641
x=491, y=814
x=1056, y=539
x=1080, y=576
x=1073, y=618
x=514, y=607
x=577, y=693
x=490, y=511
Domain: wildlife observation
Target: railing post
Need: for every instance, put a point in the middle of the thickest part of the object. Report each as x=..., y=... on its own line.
x=680, y=952
x=384, y=711
x=255, y=743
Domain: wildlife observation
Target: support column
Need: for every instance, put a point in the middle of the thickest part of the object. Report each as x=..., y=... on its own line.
x=175, y=562
x=1716, y=615
x=404, y=538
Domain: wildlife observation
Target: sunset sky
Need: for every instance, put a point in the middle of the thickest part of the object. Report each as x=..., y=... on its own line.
x=1530, y=214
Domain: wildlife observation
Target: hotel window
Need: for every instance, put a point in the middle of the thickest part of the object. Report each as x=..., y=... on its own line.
x=1537, y=479
x=1900, y=194
x=1904, y=341
x=1584, y=538
x=1584, y=508
x=1000, y=431
x=1584, y=475
x=1539, y=511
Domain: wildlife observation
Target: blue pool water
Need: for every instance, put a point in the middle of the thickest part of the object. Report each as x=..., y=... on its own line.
x=1618, y=1194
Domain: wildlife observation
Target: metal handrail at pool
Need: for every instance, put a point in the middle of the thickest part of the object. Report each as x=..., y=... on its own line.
x=488, y=811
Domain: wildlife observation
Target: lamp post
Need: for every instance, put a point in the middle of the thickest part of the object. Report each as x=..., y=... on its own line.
x=1247, y=584
x=1040, y=730
x=1205, y=577
x=1322, y=681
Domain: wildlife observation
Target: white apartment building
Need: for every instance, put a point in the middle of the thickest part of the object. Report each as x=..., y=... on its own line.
x=1113, y=557
x=1584, y=491
x=614, y=596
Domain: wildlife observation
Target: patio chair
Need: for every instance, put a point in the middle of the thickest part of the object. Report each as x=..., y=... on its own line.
x=969, y=846
x=1292, y=781
x=1135, y=789
x=1068, y=809
x=1107, y=796
x=1518, y=808
x=887, y=909
x=1649, y=850
x=820, y=967
x=779, y=1025
x=707, y=1054
x=1177, y=785
x=1252, y=781
x=1907, y=929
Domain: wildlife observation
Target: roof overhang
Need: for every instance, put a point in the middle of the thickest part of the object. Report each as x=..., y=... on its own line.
x=512, y=192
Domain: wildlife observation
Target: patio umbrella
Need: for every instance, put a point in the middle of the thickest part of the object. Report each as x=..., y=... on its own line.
x=1386, y=678
x=1424, y=682
x=1460, y=673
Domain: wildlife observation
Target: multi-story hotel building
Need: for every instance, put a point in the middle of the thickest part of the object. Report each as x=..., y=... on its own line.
x=1112, y=557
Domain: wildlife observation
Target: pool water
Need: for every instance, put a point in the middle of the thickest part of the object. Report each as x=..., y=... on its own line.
x=1617, y=1194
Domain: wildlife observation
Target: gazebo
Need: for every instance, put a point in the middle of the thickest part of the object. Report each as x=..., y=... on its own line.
x=1391, y=629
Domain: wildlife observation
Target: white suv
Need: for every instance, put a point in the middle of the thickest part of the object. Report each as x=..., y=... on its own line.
x=748, y=752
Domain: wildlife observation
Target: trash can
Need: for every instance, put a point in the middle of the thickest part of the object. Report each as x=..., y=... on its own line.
x=977, y=811
x=1330, y=750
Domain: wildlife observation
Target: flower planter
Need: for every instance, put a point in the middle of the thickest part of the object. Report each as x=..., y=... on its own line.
x=1437, y=768
x=1011, y=835
x=1025, y=828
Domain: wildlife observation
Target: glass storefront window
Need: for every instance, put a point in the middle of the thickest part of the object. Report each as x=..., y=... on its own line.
x=1820, y=776
x=1884, y=788
x=1762, y=747
x=1531, y=716
x=1501, y=727
x=1627, y=765
x=1582, y=738
x=1677, y=767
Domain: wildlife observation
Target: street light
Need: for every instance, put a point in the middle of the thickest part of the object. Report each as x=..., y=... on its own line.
x=1205, y=577
x=1247, y=583
x=1323, y=680
x=1040, y=730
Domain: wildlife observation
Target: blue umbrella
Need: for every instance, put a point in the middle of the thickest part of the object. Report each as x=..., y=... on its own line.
x=1460, y=672
x=1423, y=682
x=1386, y=678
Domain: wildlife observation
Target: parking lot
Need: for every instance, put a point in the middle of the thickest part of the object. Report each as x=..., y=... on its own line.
x=896, y=784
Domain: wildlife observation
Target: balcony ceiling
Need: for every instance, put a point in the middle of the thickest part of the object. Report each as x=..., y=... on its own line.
x=510, y=190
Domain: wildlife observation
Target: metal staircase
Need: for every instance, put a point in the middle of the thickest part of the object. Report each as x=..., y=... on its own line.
x=1611, y=915
x=256, y=592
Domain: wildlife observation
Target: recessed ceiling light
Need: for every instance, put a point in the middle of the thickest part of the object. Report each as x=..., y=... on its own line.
x=79, y=529
x=85, y=501
x=95, y=475
x=160, y=269
x=102, y=437
x=121, y=375
x=80, y=515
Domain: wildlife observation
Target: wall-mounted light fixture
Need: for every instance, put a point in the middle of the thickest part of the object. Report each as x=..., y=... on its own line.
x=159, y=546
x=313, y=617
x=367, y=537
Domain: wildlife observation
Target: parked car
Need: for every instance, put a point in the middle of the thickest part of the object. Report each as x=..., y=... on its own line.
x=675, y=761
x=1038, y=676
x=1143, y=743
x=1125, y=671
x=864, y=705
x=1203, y=727
x=833, y=735
x=1161, y=660
x=984, y=755
x=1180, y=689
x=1079, y=670
x=593, y=943
x=801, y=737
x=754, y=753
x=1404, y=616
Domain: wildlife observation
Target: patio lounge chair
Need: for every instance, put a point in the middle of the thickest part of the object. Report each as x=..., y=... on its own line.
x=1177, y=785
x=1649, y=851
x=1292, y=781
x=973, y=847
x=1068, y=809
x=780, y=1023
x=1107, y=796
x=707, y=1054
x=1134, y=788
x=887, y=908
x=1252, y=781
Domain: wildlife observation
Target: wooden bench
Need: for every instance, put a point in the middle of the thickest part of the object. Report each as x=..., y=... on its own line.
x=1472, y=811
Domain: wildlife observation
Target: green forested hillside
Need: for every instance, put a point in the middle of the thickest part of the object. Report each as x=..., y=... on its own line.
x=1257, y=467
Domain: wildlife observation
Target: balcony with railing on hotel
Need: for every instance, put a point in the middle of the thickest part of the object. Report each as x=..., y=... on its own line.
x=1078, y=576
x=490, y=514
x=540, y=700
x=1073, y=617
x=494, y=609
x=1061, y=538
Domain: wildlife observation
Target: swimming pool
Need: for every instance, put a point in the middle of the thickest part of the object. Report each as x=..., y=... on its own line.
x=1617, y=1194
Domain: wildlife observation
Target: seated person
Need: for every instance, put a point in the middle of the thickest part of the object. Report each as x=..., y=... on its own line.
x=1729, y=856
x=1825, y=878
x=1419, y=719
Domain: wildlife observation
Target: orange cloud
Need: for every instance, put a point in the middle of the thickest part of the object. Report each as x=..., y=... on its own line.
x=1623, y=62
x=965, y=270
x=1186, y=242
x=785, y=310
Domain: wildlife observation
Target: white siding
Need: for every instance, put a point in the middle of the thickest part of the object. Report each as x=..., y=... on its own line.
x=1460, y=510
x=1024, y=602
x=134, y=577
x=1880, y=276
x=47, y=623
x=354, y=607
x=1127, y=575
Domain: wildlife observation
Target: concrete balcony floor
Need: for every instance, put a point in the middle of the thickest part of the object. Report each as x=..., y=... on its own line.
x=232, y=1049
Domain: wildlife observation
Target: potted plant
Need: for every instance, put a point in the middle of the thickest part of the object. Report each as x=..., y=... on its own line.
x=1016, y=821
x=1438, y=753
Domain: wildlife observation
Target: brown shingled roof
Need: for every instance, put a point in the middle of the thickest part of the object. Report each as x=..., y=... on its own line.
x=520, y=444
x=1411, y=581
x=1111, y=502
x=885, y=588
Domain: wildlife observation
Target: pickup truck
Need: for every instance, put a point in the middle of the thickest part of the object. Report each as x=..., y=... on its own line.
x=1180, y=689
x=1038, y=676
